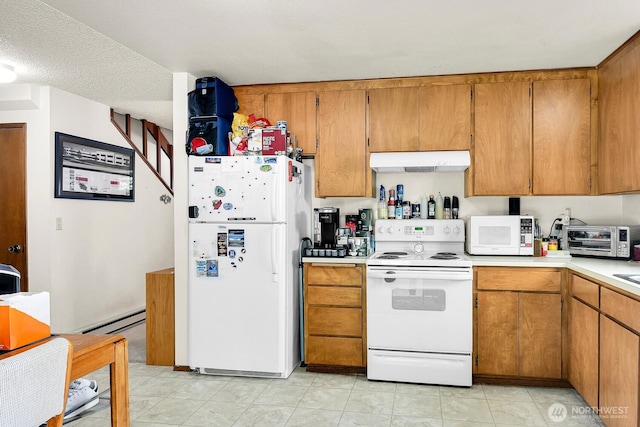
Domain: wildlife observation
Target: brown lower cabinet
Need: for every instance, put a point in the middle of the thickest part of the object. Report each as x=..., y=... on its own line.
x=604, y=350
x=518, y=323
x=334, y=317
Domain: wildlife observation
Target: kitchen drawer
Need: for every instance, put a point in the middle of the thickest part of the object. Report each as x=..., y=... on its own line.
x=336, y=274
x=519, y=279
x=335, y=321
x=334, y=351
x=622, y=308
x=330, y=295
x=585, y=290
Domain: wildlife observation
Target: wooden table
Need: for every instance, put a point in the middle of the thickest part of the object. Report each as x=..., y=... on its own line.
x=92, y=352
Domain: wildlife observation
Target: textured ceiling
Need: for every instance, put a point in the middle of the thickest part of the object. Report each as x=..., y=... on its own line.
x=123, y=52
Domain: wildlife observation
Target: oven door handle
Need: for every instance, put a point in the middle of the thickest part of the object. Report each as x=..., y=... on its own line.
x=422, y=275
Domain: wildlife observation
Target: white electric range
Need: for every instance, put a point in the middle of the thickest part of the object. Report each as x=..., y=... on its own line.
x=419, y=303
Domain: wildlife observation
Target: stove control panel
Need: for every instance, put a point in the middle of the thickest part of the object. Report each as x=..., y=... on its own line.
x=441, y=230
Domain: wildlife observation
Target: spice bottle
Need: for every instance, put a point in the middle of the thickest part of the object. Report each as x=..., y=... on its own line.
x=382, y=204
x=431, y=208
x=439, y=207
x=391, y=204
x=447, y=207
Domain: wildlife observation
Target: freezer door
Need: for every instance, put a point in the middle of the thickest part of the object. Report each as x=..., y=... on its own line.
x=238, y=302
x=253, y=188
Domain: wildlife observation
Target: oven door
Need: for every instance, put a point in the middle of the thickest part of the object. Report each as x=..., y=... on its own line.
x=422, y=309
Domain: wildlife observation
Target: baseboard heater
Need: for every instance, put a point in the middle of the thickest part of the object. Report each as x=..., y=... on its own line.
x=119, y=324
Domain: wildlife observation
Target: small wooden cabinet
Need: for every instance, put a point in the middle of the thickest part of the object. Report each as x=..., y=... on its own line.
x=160, y=323
x=519, y=322
x=583, y=338
x=393, y=119
x=342, y=158
x=562, y=137
x=299, y=110
x=445, y=117
x=334, y=317
x=619, y=111
x=501, y=159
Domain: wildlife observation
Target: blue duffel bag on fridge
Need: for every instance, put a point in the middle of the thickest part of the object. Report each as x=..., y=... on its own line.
x=208, y=136
x=212, y=97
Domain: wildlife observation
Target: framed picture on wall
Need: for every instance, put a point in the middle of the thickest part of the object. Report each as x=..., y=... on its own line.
x=87, y=169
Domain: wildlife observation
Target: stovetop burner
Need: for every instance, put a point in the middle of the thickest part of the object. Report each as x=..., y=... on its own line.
x=392, y=255
x=445, y=255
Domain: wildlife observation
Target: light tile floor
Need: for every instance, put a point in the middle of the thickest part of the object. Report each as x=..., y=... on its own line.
x=160, y=397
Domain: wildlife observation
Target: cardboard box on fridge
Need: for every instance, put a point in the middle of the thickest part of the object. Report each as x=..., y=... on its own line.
x=274, y=141
x=24, y=318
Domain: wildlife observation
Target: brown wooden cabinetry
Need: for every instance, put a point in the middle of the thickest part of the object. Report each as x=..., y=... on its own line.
x=393, y=119
x=251, y=104
x=342, y=159
x=501, y=158
x=604, y=350
x=519, y=322
x=557, y=142
x=561, y=137
x=619, y=111
x=299, y=110
x=160, y=323
x=334, y=317
x=619, y=360
x=445, y=117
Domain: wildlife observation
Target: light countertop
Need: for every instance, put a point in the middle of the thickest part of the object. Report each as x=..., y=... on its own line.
x=336, y=260
x=598, y=269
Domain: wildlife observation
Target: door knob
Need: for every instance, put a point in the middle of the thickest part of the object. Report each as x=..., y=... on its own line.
x=15, y=248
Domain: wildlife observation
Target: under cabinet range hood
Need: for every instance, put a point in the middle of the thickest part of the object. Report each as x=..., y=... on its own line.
x=420, y=161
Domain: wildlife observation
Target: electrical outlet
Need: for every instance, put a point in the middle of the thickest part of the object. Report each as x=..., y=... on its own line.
x=59, y=223
x=566, y=218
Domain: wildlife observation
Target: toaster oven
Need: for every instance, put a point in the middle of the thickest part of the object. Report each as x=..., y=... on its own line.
x=602, y=241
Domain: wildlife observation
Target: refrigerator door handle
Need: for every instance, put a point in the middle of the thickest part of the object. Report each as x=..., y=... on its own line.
x=274, y=202
x=274, y=254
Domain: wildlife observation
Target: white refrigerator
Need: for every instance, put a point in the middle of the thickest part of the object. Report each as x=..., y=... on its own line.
x=247, y=216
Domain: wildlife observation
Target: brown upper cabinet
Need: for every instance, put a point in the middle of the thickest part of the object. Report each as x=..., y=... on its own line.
x=619, y=104
x=501, y=157
x=342, y=159
x=251, y=104
x=299, y=110
x=428, y=118
x=393, y=119
x=445, y=117
x=562, y=137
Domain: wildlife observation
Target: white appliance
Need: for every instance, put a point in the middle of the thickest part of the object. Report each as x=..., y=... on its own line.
x=247, y=216
x=419, y=303
x=500, y=235
x=420, y=161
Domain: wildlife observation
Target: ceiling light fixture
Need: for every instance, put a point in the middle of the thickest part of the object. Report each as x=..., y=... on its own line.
x=7, y=73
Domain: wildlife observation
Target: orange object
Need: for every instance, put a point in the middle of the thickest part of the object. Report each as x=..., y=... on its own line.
x=24, y=318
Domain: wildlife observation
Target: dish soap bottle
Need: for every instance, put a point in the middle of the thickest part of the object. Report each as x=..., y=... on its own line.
x=439, y=207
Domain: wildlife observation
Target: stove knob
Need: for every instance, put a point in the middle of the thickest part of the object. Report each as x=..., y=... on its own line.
x=456, y=230
x=446, y=230
x=390, y=230
x=380, y=230
x=419, y=248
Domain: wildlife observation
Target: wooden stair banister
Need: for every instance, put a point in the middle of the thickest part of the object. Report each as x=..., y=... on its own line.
x=162, y=144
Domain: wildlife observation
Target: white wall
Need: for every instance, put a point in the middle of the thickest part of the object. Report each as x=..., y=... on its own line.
x=591, y=209
x=95, y=266
x=182, y=84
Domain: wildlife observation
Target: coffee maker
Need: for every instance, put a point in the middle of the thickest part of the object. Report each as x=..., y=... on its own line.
x=325, y=225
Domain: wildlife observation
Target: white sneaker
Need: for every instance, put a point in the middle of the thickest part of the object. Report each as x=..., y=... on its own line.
x=79, y=400
x=81, y=383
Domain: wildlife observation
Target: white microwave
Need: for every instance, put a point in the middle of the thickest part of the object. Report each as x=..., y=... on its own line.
x=500, y=235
